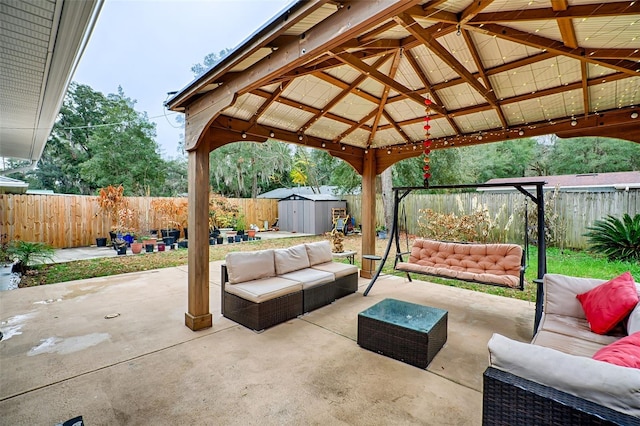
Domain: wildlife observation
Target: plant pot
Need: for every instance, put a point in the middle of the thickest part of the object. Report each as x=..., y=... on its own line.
x=112, y=236
x=101, y=241
x=168, y=240
x=382, y=235
x=237, y=238
x=136, y=248
x=251, y=233
x=129, y=239
x=183, y=244
x=186, y=234
x=215, y=233
x=161, y=246
x=121, y=250
x=151, y=241
x=212, y=241
x=230, y=239
x=219, y=240
x=245, y=237
x=149, y=247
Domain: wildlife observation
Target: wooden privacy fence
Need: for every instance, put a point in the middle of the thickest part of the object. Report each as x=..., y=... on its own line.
x=575, y=210
x=65, y=221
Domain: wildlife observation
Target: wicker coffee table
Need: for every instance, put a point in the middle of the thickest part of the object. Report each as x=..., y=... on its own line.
x=404, y=331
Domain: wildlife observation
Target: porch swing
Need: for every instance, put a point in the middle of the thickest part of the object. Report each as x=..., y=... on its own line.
x=450, y=254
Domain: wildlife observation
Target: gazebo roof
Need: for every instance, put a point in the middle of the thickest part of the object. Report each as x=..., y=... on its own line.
x=350, y=77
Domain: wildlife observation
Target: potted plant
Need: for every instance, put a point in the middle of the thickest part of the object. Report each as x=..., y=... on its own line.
x=25, y=253
x=170, y=213
x=136, y=247
x=120, y=246
x=381, y=231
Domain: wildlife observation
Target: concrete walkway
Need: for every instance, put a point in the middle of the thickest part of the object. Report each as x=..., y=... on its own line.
x=115, y=350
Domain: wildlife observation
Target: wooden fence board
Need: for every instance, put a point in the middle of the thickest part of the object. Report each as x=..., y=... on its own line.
x=73, y=220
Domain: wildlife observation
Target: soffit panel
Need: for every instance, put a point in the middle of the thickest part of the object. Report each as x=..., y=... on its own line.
x=574, y=102
x=353, y=107
x=344, y=73
x=435, y=69
x=547, y=28
x=310, y=90
x=495, y=51
x=477, y=122
x=455, y=6
x=284, y=117
x=312, y=19
x=387, y=137
x=405, y=109
x=407, y=76
x=256, y=56
x=596, y=70
x=460, y=96
x=326, y=128
x=245, y=106
x=615, y=94
x=440, y=127
x=502, y=6
x=359, y=137
x=612, y=32
x=372, y=87
x=457, y=46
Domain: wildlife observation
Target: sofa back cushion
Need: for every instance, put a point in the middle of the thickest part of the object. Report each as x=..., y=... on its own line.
x=291, y=259
x=249, y=265
x=560, y=294
x=319, y=252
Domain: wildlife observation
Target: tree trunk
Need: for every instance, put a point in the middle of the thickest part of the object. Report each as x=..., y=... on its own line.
x=387, y=196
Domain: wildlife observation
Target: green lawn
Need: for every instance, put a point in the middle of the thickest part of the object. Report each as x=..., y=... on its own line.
x=567, y=262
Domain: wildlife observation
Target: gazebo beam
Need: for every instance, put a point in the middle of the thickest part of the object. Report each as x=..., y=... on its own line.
x=576, y=12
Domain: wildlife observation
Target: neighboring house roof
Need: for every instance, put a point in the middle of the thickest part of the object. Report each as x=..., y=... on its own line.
x=42, y=43
x=585, y=181
x=312, y=197
x=281, y=193
x=12, y=186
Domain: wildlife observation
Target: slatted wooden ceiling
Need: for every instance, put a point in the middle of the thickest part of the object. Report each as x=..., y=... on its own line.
x=495, y=70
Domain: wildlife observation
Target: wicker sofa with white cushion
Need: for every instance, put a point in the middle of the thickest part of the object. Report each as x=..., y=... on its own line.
x=555, y=378
x=266, y=287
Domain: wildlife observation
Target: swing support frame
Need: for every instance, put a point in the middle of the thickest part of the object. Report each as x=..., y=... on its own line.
x=399, y=193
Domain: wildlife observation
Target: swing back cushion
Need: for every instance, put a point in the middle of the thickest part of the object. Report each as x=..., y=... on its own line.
x=495, y=264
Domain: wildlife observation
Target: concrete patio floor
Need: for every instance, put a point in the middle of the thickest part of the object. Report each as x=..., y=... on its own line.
x=61, y=357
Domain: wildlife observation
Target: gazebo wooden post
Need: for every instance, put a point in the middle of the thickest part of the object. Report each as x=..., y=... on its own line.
x=368, y=198
x=198, y=316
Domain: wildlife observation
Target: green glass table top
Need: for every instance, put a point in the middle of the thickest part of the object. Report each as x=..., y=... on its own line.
x=405, y=314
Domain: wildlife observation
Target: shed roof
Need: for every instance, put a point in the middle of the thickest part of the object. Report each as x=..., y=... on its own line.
x=312, y=197
x=281, y=193
x=12, y=186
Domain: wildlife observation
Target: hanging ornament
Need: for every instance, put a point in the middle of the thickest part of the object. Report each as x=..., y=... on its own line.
x=426, y=144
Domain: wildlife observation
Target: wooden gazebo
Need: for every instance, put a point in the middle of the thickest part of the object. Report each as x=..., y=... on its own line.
x=351, y=78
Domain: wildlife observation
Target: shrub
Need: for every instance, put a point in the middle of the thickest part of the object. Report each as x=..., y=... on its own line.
x=27, y=253
x=616, y=239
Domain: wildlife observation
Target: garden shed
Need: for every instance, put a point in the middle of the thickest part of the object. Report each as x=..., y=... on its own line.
x=308, y=213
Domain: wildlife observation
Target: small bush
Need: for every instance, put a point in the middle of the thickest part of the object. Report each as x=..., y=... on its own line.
x=27, y=253
x=616, y=239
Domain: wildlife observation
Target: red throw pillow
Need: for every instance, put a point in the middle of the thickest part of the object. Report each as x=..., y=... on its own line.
x=625, y=352
x=608, y=304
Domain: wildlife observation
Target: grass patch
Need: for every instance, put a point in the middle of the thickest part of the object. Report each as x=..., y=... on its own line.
x=566, y=262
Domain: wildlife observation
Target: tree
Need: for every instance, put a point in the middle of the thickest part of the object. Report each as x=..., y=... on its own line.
x=97, y=141
x=593, y=155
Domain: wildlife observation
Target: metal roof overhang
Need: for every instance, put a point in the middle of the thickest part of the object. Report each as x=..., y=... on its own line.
x=40, y=46
x=351, y=77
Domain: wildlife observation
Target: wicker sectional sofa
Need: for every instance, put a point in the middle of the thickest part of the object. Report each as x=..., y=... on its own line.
x=266, y=287
x=554, y=379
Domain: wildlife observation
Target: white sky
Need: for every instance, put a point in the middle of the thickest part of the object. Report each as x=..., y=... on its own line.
x=149, y=46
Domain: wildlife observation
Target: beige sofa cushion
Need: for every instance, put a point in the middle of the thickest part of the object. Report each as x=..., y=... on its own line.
x=248, y=266
x=319, y=252
x=574, y=327
x=291, y=259
x=309, y=277
x=258, y=291
x=338, y=269
x=567, y=344
x=600, y=382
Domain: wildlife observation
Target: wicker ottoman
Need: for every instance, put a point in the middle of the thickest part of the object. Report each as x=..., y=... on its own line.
x=404, y=331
